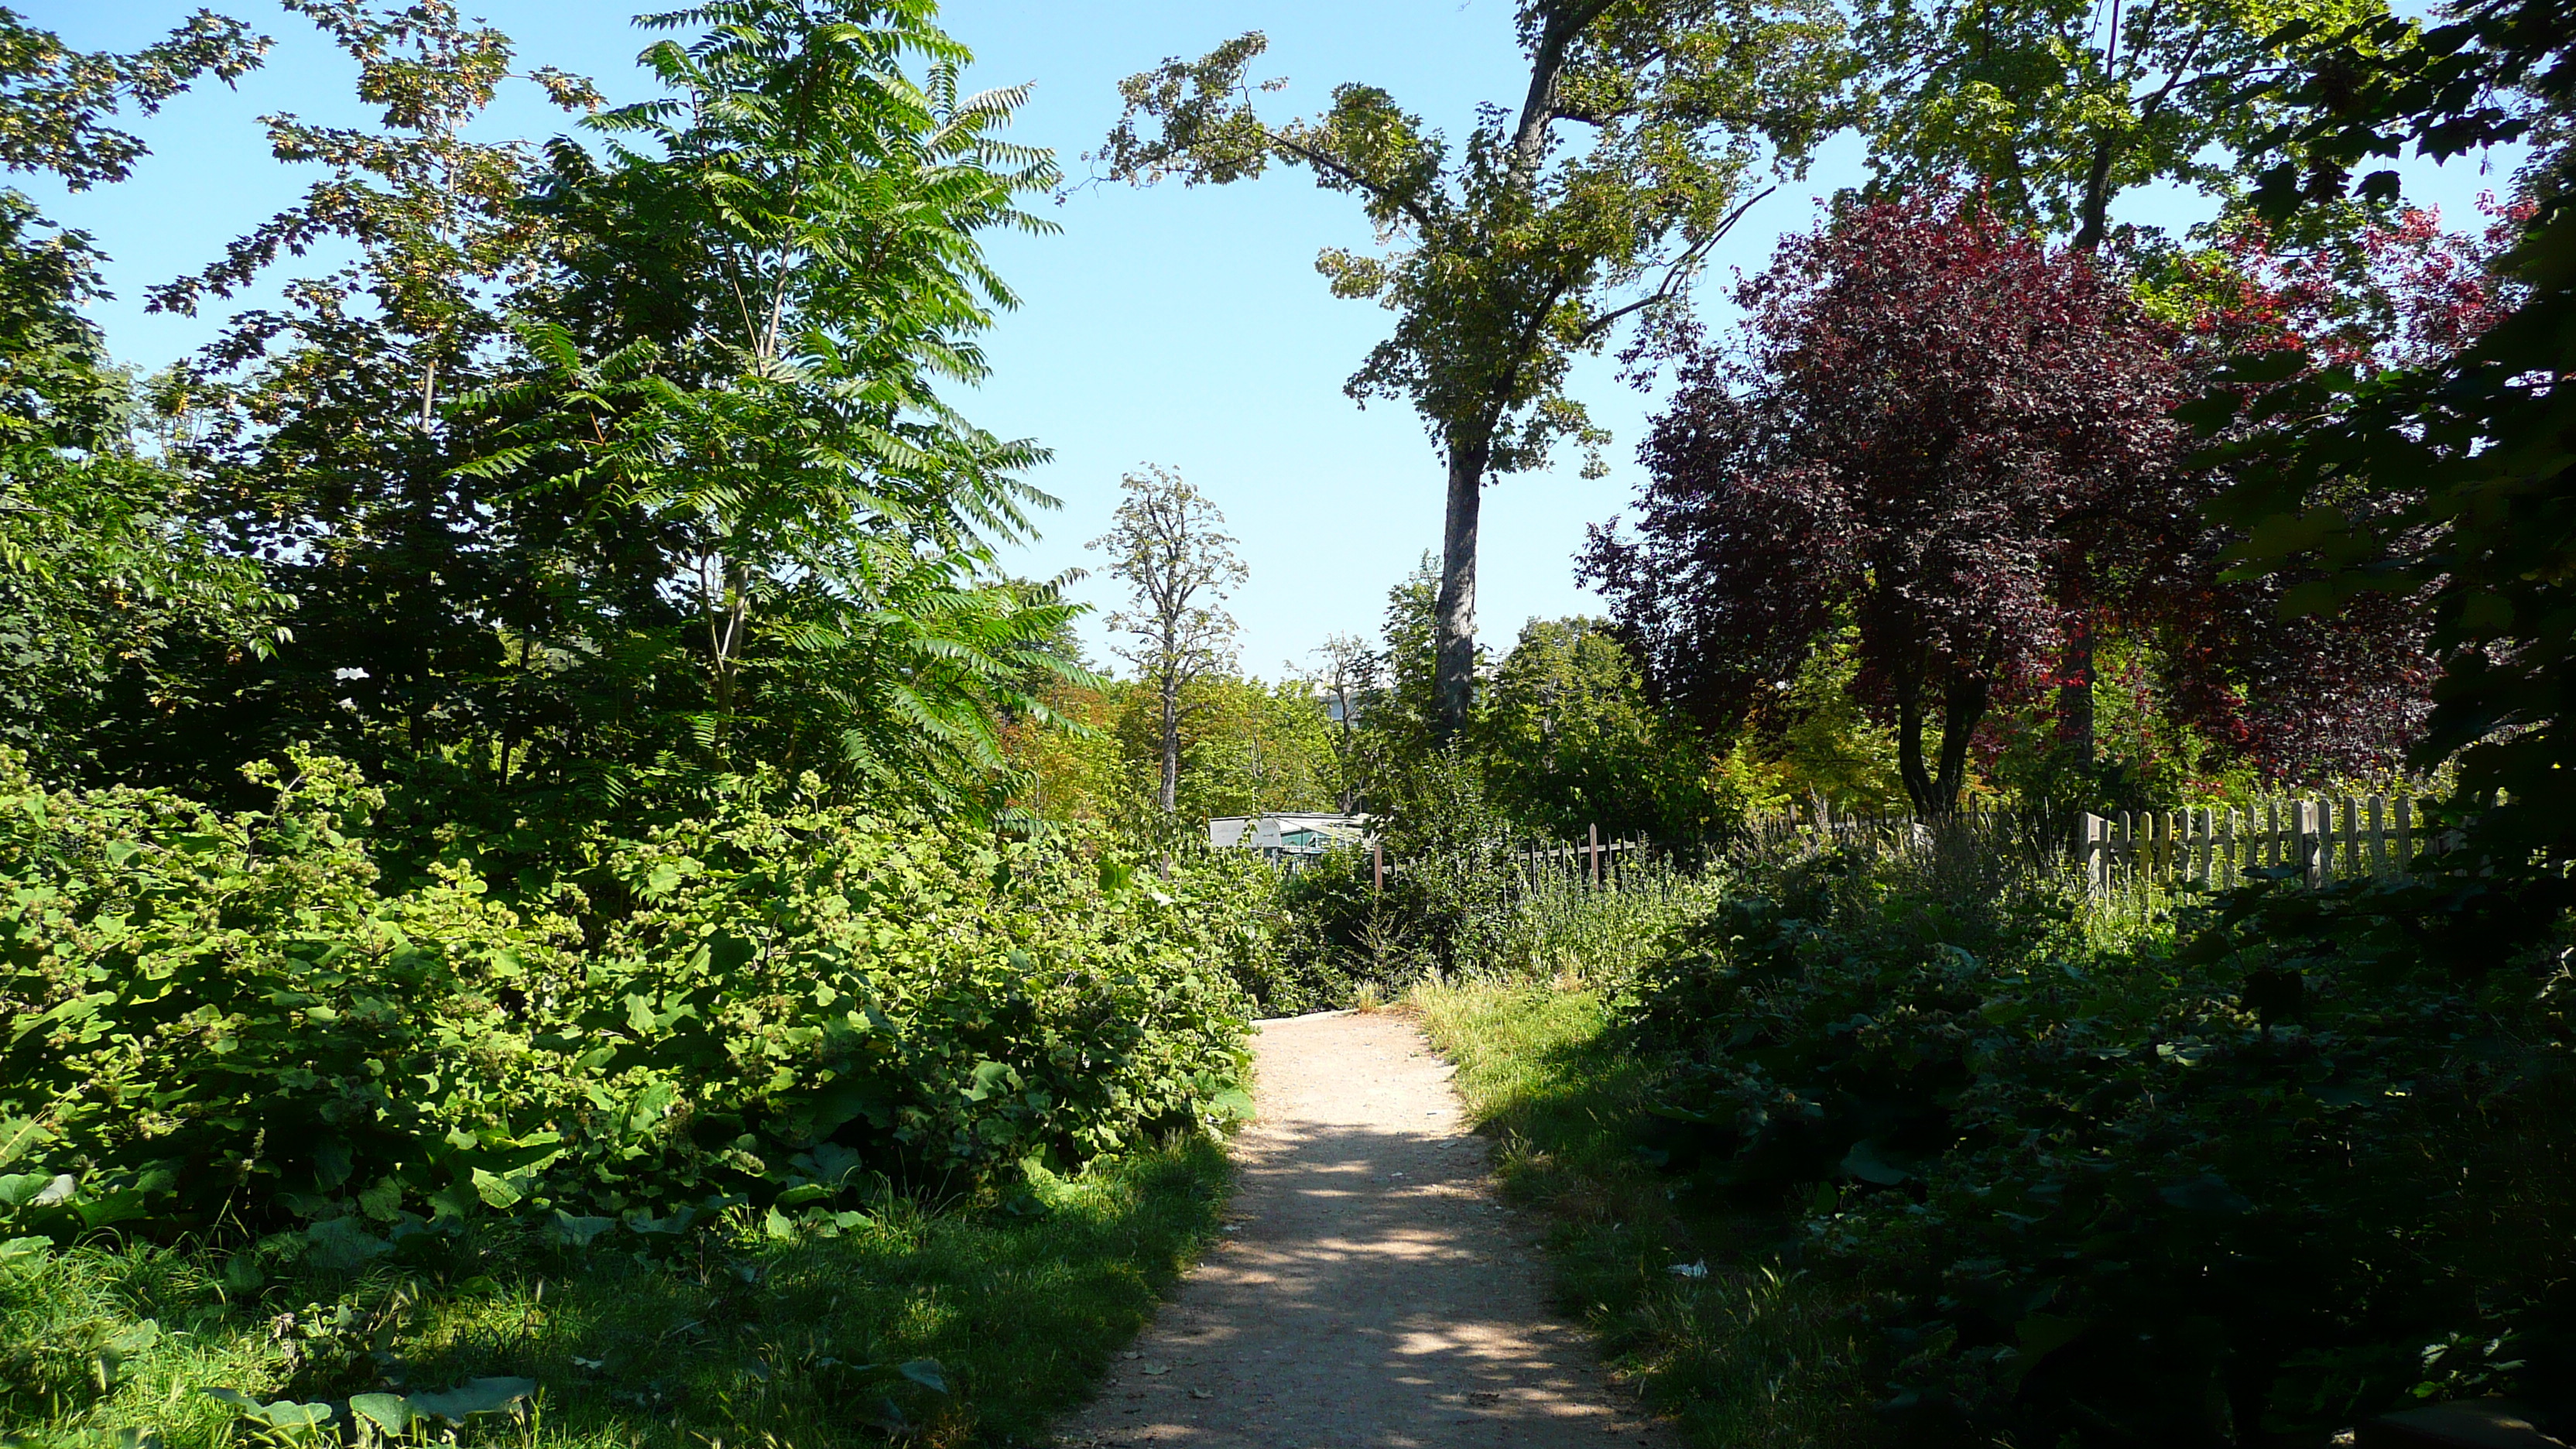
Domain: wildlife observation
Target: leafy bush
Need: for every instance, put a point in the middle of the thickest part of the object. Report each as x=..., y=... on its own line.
x=2245, y=1181
x=235, y=1016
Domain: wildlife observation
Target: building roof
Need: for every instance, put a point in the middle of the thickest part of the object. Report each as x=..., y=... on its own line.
x=1265, y=832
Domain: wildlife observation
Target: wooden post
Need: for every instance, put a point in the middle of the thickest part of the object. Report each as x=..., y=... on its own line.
x=1592, y=863
x=1377, y=863
x=2405, y=834
x=2309, y=839
x=2227, y=846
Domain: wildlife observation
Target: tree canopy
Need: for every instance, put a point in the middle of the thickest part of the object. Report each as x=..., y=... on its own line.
x=1514, y=250
x=1939, y=425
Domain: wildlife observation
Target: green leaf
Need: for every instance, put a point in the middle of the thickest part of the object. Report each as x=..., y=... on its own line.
x=2037, y=1336
x=579, y=1231
x=926, y=1372
x=2207, y=1193
x=474, y=1396
x=30, y=1250
x=497, y=1191
x=388, y=1412
x=1868, y=1160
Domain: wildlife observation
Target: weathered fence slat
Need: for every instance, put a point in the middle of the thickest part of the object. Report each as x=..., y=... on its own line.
x=2323, y=838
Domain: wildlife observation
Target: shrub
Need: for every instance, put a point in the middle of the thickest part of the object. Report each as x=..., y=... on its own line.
x=233, y=1016
x=2247, y=1180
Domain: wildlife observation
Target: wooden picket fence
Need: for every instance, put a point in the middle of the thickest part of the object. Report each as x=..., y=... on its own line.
x=2323, y=838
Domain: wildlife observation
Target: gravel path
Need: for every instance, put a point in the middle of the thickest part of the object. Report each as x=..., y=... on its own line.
x=1371, y=1291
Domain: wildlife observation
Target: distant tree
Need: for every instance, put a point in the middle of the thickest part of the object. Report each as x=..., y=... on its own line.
x=1168, y=544
x=1514, y=254
x=1252, y=748
x=1940, y=426
x=1345, y=671
x=1571, y=740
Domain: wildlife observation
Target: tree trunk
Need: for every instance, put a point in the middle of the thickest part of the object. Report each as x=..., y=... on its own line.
x=1909, y=740
x=2075, y=694
x=1963, y=704
x=1169, y=796
x=1453, y=625
x=2094, y=222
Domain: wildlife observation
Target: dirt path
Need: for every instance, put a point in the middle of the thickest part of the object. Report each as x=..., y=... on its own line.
x=1372, y=1292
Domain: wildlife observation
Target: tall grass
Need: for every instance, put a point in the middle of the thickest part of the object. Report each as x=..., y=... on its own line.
x=1744, y=1349
x=1560, y=929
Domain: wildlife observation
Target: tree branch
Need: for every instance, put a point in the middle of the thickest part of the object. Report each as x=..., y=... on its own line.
x=1673, y=275
x=1547, y=62
x=1326, y=161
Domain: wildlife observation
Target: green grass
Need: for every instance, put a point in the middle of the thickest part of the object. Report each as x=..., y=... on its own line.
x=1753, y=1355
x=743, y=1340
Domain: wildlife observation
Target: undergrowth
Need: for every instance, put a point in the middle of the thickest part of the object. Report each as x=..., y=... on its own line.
x=1744, y=1349
x=969, y=1326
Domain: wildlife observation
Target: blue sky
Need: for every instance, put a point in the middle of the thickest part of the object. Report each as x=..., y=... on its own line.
x=1184, y=327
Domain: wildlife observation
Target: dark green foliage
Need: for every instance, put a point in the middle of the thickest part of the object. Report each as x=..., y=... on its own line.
x=2236, y=1191
x=1573, y=742
x=804, y=1337
x=234, y=1017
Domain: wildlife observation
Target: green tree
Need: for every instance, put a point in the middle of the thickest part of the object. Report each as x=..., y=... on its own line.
x=320, y=426
x=2061, y=105
x=2458, y=473
x=1168, y=544
x=106, y=584
x=1570, y=741
x=762, y=290
x=1510, y=255
x=1258, y=748
x=1345, y=671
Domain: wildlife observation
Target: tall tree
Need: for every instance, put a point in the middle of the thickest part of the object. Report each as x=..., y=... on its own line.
x=1938, y=425
x=106, y=582
x=1512, y=255
x=2343, y=473
x=2063, y=104
x=1168, y=543
x=321, y=423
x=763, y=289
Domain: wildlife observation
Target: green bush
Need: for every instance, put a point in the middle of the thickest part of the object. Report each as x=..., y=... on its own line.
x=2303, y=1159
x=234, y=1018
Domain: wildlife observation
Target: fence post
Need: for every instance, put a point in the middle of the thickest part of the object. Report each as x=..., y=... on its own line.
x=1377, y=864
x=1592, y=861
x=2306, y=839
x=2405, y=833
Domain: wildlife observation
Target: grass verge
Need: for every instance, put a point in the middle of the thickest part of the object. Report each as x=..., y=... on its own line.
x=1754, y=1354
x=744, y=1339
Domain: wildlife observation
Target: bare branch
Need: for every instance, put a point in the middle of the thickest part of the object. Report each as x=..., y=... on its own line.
x=1678, y=272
